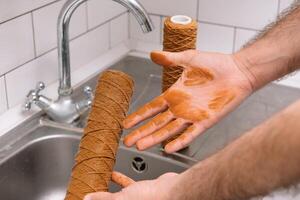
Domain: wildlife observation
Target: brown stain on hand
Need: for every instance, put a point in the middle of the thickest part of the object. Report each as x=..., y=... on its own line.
x=158, y=103
x=121, y=179
x=221, y=99
x=178, y=101
x=160, y=58
x=198, y=76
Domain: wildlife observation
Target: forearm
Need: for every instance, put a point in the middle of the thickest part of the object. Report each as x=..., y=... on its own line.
x=275, y=52
x=264, y=159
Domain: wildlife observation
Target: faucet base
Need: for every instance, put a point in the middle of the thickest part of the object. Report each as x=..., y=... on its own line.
x=63, y=110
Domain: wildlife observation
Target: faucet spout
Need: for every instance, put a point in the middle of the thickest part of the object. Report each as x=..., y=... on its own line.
x=65, y=87
x=139, y=12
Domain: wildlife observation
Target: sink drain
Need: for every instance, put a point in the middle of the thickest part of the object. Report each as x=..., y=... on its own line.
x=139, y=165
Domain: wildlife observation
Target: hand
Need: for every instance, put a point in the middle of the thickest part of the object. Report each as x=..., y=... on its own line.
x=210, y=87
x=159, y=188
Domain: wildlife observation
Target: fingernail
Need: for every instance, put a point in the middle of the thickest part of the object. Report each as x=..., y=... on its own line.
x=127, y=142
x=140, y=146
x=169, y=148
x=124, y=124
x=156, y=55
x=127, y=123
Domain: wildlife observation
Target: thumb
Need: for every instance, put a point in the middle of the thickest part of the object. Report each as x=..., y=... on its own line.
x=121, y=179
x=171, y=59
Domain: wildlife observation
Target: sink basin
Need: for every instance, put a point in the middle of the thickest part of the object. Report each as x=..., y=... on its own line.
x=39, y=165
x=36, y=158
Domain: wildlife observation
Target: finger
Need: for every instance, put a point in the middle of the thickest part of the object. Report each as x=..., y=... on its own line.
x=171, y=59
x=156, y=123
x=152, y=108
x=121, y=179
x=184, y=139
x=100, y=196
x=164, y=133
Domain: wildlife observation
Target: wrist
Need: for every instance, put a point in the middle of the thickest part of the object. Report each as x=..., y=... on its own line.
x=263, y=63
x=243, y=65
x=202, y=181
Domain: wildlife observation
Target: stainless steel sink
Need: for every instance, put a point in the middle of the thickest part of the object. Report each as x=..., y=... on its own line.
x=38, y=166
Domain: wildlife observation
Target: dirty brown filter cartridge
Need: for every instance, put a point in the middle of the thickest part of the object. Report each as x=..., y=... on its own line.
x=95, y=159
x=180, y=34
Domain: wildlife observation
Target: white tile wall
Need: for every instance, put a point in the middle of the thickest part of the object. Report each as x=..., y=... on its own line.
x=13, y=8
x=21, y=80
x=171, y=7
x=246, y=13
x=27, y=42
x=215, y=38
x=242, y=37
x=119, y=30
x=89, y=46
x=285, y=4
x=101, y=11
x=45, y=23
x=137, y=33
x=3, y=103
x=16, y=42
x=27, y=56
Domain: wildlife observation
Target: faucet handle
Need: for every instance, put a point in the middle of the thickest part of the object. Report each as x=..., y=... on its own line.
x=39, y=87
x=28, y=101
x=86, y=103
x=88, y=92
x=33, y=95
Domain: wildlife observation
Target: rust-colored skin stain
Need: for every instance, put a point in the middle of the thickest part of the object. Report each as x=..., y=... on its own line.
x=177, y=101
x=160, y=58
x=156, y=105
x=221, y=99
x=198, y=76
x=121, y=179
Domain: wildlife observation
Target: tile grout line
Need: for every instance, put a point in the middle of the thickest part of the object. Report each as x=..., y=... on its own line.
x=128, y=25
x=234, y=40
x=33, y=35
x=228, y=26
x=197, y=11
x=6, y=92
x=27, y=12
x=278, y=6
x=29, y=61
x=161, y=30
x=109, y=35
x=87, y=15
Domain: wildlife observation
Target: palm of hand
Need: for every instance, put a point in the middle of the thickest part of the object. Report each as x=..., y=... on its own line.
x=210, y=87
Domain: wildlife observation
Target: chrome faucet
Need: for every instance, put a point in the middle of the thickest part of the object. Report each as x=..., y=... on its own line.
x=65, y=109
